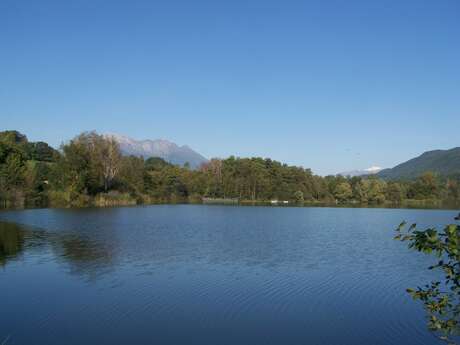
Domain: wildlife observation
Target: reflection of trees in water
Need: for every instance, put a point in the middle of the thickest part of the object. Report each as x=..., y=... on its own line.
x=86, y=257
x=11, y=242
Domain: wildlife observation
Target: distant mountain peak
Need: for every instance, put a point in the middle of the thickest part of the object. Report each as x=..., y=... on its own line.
x=373, y=169
x=369, y=171
x=168, y=150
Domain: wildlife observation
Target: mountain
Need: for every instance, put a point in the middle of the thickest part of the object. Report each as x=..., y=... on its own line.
x=442, y=162
x=369, y=171
x=165, y=149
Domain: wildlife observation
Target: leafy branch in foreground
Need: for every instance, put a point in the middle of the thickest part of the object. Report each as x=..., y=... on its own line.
x=441, y=299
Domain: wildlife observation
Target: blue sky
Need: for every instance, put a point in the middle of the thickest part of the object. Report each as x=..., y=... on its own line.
x=330, y=85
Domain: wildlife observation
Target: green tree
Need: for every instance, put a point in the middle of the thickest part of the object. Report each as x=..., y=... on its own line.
x=453, y=190
x=131, y=177
x=36, y=182
x=425, y=187
x=90, y=163
x=361, y=191
x=12, y=168
x=12, y=171
x=108, y=154
x=13, y=138
x=73, y=169
x=156, y=163
x=376, y=192
x=343, y=192
x=298, y=197
x=41, y=151
x=394, y=192
x=441, y=299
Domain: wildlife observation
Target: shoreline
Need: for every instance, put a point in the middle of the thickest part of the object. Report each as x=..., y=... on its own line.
x=409, y=204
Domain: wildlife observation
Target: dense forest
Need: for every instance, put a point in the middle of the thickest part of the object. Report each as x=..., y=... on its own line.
x=90, y=170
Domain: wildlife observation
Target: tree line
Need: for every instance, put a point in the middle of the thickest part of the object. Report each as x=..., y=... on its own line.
x=90, y=170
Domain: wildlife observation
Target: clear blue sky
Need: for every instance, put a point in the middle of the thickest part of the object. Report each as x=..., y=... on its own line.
x=330, y=85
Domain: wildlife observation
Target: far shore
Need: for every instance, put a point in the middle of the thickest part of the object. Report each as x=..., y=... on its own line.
x=96, y=203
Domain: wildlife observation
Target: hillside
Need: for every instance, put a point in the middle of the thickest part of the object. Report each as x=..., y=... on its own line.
x=442, y=162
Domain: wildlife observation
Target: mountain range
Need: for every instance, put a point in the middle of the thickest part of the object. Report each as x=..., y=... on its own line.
x=165, y=149
x=442, y=162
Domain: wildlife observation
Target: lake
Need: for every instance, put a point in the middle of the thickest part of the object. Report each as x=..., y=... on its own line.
x=193, y=274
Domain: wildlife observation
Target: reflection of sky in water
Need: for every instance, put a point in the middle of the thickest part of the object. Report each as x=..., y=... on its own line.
x=207, y=275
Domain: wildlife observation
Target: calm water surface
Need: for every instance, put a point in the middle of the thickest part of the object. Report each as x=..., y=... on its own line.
x=211, y=275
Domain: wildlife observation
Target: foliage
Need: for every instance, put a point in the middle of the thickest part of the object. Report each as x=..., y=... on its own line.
x=113, y=198
x=35, y=174
x=89, y=163
x=440, y=298
x=394, y=192
x=424, y=187
x=343, y=191
x=12, y=137
x=298, y=197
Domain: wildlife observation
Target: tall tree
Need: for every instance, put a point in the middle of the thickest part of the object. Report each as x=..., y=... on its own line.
x=343, y=192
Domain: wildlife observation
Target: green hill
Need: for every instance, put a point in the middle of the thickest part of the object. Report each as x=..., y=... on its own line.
x=442, y=162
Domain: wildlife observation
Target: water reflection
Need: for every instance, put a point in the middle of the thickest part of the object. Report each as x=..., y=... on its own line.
x=84, y=256
x=92, y=242
x=216, y=275
x=11, y=242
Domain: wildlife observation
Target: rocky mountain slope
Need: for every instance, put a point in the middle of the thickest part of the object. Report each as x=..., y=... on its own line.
x=165, y=149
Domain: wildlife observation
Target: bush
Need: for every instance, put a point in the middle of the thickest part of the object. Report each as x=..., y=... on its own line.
x=114, y=198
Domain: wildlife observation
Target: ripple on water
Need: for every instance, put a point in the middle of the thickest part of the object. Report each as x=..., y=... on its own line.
x=214, y=275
